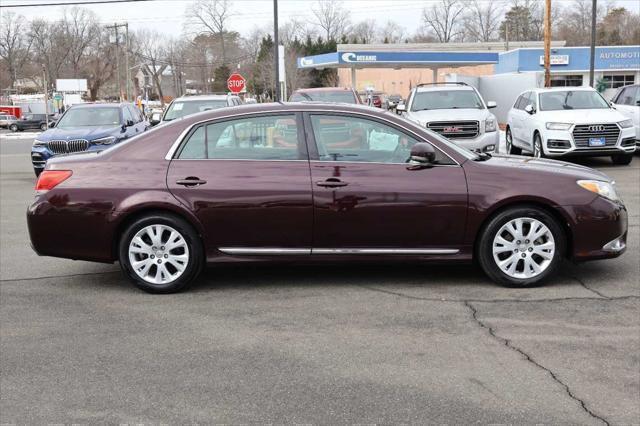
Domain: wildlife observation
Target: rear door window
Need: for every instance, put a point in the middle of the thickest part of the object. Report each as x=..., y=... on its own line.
x=273, y=137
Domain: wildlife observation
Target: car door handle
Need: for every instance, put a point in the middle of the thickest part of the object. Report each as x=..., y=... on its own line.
x=191, y=181
x=331, y=183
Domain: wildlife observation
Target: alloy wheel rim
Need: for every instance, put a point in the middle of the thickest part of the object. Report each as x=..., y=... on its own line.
x=508, y=141
x=158, y=254
x=537, y=148
x=523, y=248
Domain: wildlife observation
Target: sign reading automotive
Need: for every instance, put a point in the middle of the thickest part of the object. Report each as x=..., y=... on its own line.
x=556, y=59
x=236, y=83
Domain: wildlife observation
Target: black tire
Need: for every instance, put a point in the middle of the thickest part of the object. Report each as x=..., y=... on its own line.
x=13, y=128
x=511, y=150
x=485, y=245
x=622, y=159
x=195, y=256
x=43, y=127
x=537, y=146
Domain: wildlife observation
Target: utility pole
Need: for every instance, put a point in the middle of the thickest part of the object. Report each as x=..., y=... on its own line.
x=46, y=97
x=115, y=28
x=276, y=63
x=592, y=60
x=126, y=59
x=547, y=44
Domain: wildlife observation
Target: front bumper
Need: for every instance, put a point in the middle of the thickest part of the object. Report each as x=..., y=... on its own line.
x=599, y=230
x=484, y=142
x=626, y=144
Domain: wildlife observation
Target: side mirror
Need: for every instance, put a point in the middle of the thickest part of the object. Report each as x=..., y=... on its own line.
x=401, y=108
x=491, y=104
x=529, y=109
x=130, y=123
x=155, y=118
x=422, y=154
x=52, y=124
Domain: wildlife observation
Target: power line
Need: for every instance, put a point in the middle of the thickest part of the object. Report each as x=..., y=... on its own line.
x=71, y=3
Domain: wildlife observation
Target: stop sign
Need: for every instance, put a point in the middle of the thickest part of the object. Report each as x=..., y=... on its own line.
x=235, y=83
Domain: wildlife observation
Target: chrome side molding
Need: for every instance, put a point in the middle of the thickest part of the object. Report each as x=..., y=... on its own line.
x=307, y=251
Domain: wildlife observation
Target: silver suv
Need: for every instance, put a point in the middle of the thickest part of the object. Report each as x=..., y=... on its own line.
x=187, y=105
x=455, y=111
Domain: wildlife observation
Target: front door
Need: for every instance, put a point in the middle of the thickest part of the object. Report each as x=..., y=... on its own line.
x=368, y=200
x=248, y=182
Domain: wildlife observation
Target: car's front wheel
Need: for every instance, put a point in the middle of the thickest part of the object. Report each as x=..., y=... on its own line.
x=538, y=152
x=43, y=127
x=13, y=128
x=622, y=159
x=513, y=150
x=521, y=246
x=161, y=253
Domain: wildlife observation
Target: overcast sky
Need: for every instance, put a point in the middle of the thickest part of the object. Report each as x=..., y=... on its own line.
x=168, y=15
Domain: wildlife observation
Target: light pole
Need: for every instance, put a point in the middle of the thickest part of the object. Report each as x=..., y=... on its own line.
x=592, y=59
x=547, y=44
x=276, y=62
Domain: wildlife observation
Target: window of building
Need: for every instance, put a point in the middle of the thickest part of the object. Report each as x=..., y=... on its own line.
x=618, y=80
x=566, y=80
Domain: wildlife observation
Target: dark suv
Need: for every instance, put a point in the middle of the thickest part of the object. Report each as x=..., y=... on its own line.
x=30, y=121
x=87, y=127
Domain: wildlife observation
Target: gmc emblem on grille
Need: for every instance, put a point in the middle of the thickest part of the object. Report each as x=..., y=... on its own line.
x=451, y=129
x=599, y=128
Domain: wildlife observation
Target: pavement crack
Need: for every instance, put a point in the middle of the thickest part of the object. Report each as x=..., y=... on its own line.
x=434, y=299
x=56, y=276
x=583, y=284
x=506, y=342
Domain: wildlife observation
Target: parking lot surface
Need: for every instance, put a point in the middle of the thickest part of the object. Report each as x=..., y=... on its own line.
x=314, y=344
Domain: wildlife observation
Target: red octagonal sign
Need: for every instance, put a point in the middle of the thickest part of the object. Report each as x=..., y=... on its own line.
x=236, y=83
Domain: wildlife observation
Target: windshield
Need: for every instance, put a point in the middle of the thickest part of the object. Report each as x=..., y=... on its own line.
x=90, y=117
x=342, y=96
x=446, y=99
x=179, y=109
x=571, y=99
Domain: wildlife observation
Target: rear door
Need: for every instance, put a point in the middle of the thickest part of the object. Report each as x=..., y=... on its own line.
x=248, y=182
x=367, y=199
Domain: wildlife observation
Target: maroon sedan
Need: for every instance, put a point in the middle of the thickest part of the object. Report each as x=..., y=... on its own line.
x=317, y=182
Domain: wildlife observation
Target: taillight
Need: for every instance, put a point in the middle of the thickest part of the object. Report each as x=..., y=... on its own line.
x=49, y=179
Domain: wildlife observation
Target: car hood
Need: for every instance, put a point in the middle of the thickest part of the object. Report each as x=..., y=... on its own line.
x=584, y=116
x=89, y=133
x=449, y=115
x=546, y=166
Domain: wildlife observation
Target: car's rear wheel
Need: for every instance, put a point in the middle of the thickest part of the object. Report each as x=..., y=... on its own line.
x=13, y=128
x=513, y=150
x=622, y=159
x=43, y=127
x=161, y=253
x=521, y=246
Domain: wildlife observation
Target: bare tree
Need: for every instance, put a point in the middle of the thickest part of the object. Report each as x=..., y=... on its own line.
x=331, y=17
x=364, y=31
x=14, y=45
x=392, y=32
x=482, y=20
x=575, y=22
x=80, y=28
x=152, y=52
x=50, y=46
x=212, y=16
x=99, y=68
x=445, y=19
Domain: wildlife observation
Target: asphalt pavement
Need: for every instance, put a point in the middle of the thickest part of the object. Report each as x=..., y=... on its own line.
x=314, y=344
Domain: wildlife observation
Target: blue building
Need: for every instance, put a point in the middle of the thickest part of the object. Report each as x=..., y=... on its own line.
x=616, y=66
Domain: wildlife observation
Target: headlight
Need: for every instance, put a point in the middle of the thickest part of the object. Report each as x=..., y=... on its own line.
x=626, y=123
x=37, y=142
x=604, y=189
x=490, y=125
x=104, y=141
x=559, y=126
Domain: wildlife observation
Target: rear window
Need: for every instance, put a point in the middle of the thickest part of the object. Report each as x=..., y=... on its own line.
x=341, y=96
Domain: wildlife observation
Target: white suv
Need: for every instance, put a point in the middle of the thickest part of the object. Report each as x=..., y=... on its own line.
x=457, y=112
x=565, y=121
x=627, y=101
x=187, y=105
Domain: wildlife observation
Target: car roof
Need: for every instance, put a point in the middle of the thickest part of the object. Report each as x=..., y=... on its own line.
x=212, y=97
x=561, y=89
x=100, y=105
x=324, y=89
x=438, y=87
